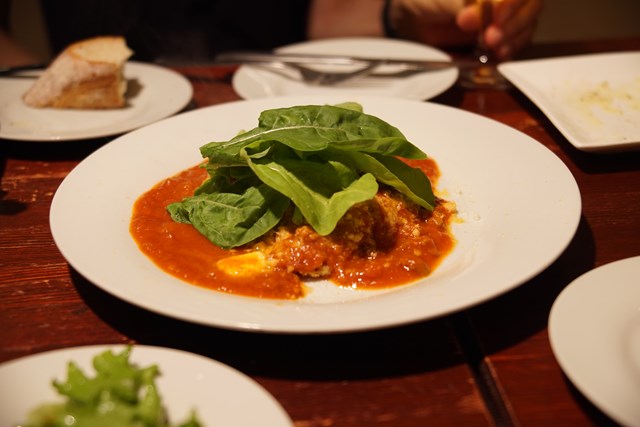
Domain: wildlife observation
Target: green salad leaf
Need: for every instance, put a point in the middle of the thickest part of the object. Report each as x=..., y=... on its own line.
x=324, y=159
x=120, y=394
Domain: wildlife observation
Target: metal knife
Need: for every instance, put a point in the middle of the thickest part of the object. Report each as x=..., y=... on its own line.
x=247, y=57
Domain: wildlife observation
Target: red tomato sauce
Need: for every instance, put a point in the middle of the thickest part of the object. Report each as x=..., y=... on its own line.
x=180, y=250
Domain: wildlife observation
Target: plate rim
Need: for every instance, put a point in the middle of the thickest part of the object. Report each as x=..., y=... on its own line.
x=564, y=352
x=83, y=354
x=242, y=71
x=179, y=82
x=511, y=70
x=315, y=312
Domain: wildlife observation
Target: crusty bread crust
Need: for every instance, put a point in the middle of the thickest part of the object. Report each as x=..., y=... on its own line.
x=86, y=75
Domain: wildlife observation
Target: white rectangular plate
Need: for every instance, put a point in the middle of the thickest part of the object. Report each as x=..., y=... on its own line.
x=594, y=100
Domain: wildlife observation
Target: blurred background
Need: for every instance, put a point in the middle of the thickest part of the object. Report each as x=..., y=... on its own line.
x=569, y=20
x=561, y=20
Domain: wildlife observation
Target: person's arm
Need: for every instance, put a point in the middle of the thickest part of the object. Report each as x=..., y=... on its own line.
x=514, y=23
x=442, y=23
x=432, y=22
x=345, y=18
x=428, y=21
x=13, y=54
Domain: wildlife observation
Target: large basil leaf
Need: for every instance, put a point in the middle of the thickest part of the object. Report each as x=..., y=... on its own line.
x=323, y=158
x=229, y=219
x=323, y=192
x=314, y=128
x=411, y=182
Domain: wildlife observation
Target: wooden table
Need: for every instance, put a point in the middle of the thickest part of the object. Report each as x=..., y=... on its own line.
x=489, y=365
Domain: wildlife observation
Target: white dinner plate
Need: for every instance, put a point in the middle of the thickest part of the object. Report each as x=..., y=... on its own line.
x=220, y=395
x=594, y=330
x=156, y=93
x=594, y=100
x=252, y=81
x=518, y=204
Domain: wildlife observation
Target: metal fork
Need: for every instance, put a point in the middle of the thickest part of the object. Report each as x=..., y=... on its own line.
x=328, y=78
x=316, y=77
x=297, y=66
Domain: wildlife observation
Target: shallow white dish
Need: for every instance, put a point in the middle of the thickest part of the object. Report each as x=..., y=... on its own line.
x=220, y=395
x=594, y=330
x=594, y=100
x=158, y=93
x=251, y=81
x=514, y=197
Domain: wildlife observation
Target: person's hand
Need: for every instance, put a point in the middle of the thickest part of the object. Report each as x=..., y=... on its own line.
x=428, y=11
x=511, y=29
x=456, y=22
x=443, y=23
x=432, y=22
x=427, y=21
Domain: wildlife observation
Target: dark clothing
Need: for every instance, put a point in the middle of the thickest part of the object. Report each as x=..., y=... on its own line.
x=179, y=31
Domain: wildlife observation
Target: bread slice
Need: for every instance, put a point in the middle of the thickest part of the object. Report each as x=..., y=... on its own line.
x=87, y=75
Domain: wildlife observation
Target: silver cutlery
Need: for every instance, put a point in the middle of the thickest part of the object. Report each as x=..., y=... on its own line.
x=310, y=66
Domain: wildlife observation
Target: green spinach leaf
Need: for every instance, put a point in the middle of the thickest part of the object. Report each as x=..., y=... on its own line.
x=230, y=219
x=324, y=159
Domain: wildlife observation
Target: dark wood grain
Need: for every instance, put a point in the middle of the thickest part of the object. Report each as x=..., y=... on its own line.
x=511, y=329
x=489, y=365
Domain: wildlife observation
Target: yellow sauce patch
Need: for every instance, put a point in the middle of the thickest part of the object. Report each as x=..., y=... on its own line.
x=248, y=264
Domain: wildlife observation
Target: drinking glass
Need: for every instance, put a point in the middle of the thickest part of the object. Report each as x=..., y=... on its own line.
x=484, y=74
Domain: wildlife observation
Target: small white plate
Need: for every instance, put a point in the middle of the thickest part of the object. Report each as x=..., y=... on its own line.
x=220, y=395
x=157, y=93
x=518, y=204
x=594, y=100
x=594, y=330
x=251, y=81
